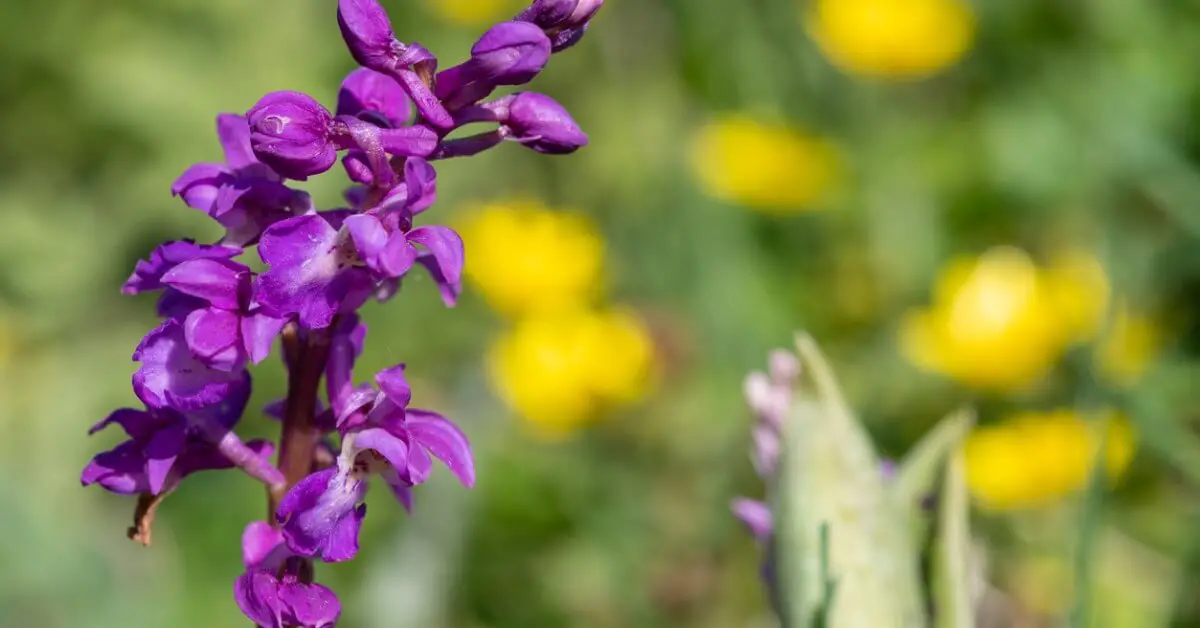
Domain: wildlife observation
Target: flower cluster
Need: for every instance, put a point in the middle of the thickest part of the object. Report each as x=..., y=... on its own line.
x=1035, y=458
x=1001, y=321
x=391, y=121
x=565, y=359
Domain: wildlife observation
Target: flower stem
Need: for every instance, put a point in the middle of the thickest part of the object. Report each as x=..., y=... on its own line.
x=306, y=358
x=242, y=456
x=143, y=517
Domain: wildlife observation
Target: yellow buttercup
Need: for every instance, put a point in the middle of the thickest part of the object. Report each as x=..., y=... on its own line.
x=525, y=258
x=560, y=371
x=1035, y=458
x=1000, y=322
x=763, y=165
x=891, y=39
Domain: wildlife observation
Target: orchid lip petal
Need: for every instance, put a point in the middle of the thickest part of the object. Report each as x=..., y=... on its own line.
x=444, y=440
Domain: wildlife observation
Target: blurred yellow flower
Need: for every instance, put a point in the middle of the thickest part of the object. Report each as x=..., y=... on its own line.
x=896, y=39
x=1127, y=350
x=525, y=258
x=1036, y=458
x=1078, y=291
x=560, y=371
x=999, y=322
x=762, y=165
x=474, y=12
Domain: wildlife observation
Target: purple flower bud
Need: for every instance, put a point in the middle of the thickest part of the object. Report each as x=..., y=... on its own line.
x=374, y=97
x=565, y=21
x=538, y=122
x=556, y=15
x=373, y=44
x=368, y=33
x=548, y=13
x=291, y=132
x=510, y=53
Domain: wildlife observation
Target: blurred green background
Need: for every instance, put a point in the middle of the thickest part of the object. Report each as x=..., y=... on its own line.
x=897, y=140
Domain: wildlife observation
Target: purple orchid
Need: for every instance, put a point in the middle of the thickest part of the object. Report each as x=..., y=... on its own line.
x=243, y=194
x=331, y=263
x=166, y=445
x=394, y=114
x=232, y=328
x=315, y=269
x=147, y=274
x=171, y=376
x=273, y=591
x=322, y=514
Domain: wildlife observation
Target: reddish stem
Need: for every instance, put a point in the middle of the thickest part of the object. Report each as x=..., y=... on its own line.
x=306, y=359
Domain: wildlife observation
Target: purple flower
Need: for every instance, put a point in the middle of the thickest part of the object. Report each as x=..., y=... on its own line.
x=286, y=600
x=510, y=53
x=368, y=34
x=421, y=432
x=232, y=328
x=272, y=602
x=165, y=446
x=147, y=274
x=243, y=194
x=374, y=97
x=565, y=21
x=172, y=376
x=322, y=514
x=328, y=263
x=299, y=138
x=263, y=547
x=315, y=271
